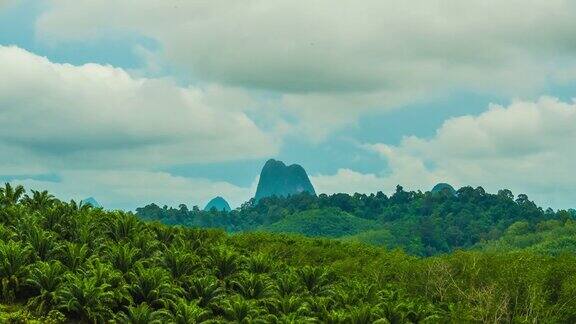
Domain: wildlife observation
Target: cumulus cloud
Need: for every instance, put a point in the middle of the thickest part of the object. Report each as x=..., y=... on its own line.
x=103, y=132
x=349, y=181
x=525, y=147
x=60, y=117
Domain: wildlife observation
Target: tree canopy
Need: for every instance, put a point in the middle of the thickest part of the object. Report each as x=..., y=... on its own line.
x=65, y=262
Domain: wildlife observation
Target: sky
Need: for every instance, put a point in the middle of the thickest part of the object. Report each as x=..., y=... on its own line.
x=140, y=101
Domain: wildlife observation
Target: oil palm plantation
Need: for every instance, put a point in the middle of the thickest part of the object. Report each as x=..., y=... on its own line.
x=87, y=265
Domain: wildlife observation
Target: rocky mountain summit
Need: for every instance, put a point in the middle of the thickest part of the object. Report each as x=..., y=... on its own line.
x=278, y=179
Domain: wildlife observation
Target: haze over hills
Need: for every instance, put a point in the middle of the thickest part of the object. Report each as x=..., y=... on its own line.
x=277, y=179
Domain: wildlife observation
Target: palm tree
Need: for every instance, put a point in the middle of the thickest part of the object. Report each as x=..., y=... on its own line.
x=74, y=255
x=252, y=286
x=55, y=219
x=123, y=226
x=288, y=305
x=104, y=273
x=42, y=242
x=315, y=279
x=7, y=233
x=239, y=310
x=355, y=293
x=288, y=283
x=145, y=241
x=180, y=263
x=11, y=195
x=320, y=306
x=44, y=279
x=398, y=307
x=85, y=299
x=122, y=256
x=260, y=263
x=152, y=285
x=185, y=312
x=164, y=234
x=12, y=215
x=39, y=200
x=143, y=314
x=366, y=314
x=206, y=290
x=336, y=316
x=78, y=207
x=224, y=262
x=14, y=259
x=417, y=311
x=86, y=233
x=293, y=318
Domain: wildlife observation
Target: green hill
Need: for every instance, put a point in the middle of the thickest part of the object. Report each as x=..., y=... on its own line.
x=420, y=223
x=329, y=222
x=552, y=237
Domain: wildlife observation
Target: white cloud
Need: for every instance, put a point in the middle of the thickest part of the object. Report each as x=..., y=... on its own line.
x=349, y=181
x=103, y=132
x=526, y=147
x=330, y=63
x=317, y=46
x=60, y=117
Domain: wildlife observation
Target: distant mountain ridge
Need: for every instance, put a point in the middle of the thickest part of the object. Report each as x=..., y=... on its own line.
x=277, y=179
x=219, y=204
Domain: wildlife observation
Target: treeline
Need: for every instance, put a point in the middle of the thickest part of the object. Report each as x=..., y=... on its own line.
x=66, y=262
x=420, y=223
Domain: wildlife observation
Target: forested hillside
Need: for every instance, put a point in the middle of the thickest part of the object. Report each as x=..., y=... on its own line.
x=64, y=262
x=420, y=223
x=553, y=237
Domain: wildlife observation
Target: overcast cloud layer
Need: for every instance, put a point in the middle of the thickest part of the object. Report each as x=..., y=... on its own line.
x=333, y=62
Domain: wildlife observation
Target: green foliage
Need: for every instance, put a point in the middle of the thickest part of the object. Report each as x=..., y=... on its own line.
x=422, y=224
x=63, y=264
x=553, y=237
x=327, y=222
x=14, y=261
x=84, y=298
